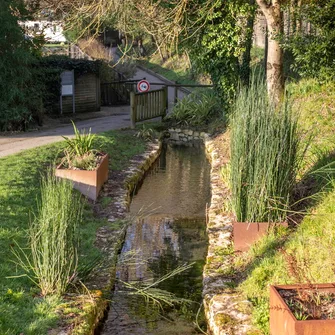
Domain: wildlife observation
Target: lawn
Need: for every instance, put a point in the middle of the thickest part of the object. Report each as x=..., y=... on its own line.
x=22, y=309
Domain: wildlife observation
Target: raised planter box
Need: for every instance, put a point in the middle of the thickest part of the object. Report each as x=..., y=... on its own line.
x=89, y=183
x=246, y=233
x=282, y=320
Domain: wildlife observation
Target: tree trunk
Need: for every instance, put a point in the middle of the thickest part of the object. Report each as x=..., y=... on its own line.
x=266, y=47
x=274, y=65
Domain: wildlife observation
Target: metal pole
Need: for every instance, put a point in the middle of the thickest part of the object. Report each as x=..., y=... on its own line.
x=132, y=110
x=73, y=94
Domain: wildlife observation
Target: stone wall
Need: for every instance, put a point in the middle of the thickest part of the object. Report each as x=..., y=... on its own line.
x=227, y=313
x=181, y=136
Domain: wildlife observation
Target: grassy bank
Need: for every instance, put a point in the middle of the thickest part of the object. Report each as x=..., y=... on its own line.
x=299, y=253
x=22, y=309
x=176, y=68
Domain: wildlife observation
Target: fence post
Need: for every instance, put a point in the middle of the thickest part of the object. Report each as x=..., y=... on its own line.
x=132, y=110
x=175, y=93
x=165, y=100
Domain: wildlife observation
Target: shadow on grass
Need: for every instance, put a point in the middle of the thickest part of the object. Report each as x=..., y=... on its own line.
x=314, y=185
x=312, y=189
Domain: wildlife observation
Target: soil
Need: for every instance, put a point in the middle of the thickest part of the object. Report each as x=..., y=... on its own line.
x=310, y=304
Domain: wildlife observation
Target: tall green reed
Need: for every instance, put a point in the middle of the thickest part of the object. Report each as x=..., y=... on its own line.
x=264, y=155
x=53, y=237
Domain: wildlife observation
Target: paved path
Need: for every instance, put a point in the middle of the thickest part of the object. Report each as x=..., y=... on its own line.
x=119, y=117
x=13, y=144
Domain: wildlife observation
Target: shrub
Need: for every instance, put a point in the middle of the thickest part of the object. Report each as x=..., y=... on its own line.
x=314, y=49
x=20, y=87
x=264, y=156
x=196, y=109
x=53, y=236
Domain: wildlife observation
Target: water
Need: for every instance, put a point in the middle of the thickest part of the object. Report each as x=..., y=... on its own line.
x=168, y=230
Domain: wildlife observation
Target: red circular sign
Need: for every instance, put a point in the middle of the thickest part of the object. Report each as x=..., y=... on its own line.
x=143, y=86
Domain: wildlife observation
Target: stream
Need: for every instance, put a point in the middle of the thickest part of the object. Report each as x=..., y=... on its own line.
x=168, y=230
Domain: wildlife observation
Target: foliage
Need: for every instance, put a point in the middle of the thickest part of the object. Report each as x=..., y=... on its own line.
x=20, y=98
x=122, y=70
x=197, y=108
x=62, y=63
x=79, y=152
x=146, y=133
x=53, y=237
x=264, y=156
x=81, y=144
x=219, y=46
x=314, y=50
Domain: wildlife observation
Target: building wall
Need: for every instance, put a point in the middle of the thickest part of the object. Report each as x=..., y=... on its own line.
x=87, y=95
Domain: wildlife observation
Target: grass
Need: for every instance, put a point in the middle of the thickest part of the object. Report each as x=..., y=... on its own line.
x=22, y=309
x=312, y=241
x=176, y=68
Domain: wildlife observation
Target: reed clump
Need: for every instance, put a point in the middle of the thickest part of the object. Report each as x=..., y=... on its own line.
x=52, y=259
x=264, y=155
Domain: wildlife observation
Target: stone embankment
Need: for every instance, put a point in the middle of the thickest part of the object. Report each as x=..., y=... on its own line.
x=227, y=313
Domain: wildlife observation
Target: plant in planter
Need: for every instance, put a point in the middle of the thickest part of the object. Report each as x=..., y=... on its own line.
x=302, y=309
x=264, y=160
x=86, y=167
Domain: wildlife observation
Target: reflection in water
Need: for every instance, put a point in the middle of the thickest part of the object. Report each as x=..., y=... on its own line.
x=169, y=230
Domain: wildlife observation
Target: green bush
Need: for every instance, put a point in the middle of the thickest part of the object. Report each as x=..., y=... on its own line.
x=20, y=97
x=314, y=50
x=264, y=156
x=53, y=236
x=197, y=109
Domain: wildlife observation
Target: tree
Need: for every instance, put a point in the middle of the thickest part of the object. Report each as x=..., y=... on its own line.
x=274, y=66
x=20, y=96
x=177, y=20
x=313, y=46
x=222, y=46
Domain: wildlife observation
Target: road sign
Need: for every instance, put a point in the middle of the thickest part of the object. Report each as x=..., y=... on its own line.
x=143, y=86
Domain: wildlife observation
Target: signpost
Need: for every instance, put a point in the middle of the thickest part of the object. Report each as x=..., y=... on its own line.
x=143, y=86
x=67, y=79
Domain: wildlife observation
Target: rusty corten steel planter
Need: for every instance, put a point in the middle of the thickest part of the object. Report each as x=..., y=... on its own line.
x=246, y=233
x=88, y=183
x=282, y=320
